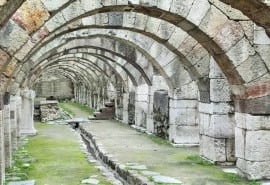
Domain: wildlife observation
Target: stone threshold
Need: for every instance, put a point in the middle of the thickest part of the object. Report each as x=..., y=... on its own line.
x=127, y=176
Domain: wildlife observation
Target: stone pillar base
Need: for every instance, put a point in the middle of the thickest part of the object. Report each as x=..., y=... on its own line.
x=28, y=132
x=217, y=151
x=252, y=136
x=184, y=135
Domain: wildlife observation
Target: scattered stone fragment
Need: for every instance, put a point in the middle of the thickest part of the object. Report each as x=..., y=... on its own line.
x=29, y=182
x=26, y=165
x=134, y=166
x=230, y=170
x=165, y=180
x=150, y=173
x=90, y=181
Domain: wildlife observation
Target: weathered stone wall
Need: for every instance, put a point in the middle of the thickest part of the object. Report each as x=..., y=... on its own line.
x=60, y=89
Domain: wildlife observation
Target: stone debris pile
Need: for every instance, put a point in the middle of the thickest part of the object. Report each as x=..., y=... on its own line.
x=49, y=110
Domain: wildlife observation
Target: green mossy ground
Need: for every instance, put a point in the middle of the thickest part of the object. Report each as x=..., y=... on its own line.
x=65, y=106
x=59, y=159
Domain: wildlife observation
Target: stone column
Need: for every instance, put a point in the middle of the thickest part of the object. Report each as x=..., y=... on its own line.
x=141, y=105
x=217, y=119
x=125, y=107
x=27, y=124
x=150, y=114
x=183, y=118
x=13, y=122
x=19, y=114
x=252, y=145
x=2, y=150
x=7, y=134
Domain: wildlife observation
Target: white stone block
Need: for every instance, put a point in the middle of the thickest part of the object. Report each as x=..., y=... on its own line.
x=257, y=145
x=260, y=36
x=213, y=149
x=198, y=11
x=188, y=135
x=240, y=142
x=221, y=126
x=254, y=170
x=219, y=90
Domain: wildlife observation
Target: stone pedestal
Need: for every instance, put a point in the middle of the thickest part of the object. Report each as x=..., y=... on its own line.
x=27, y=123
x=2, y=150
x=184, y=129
x=252, y=142
x=7, y=136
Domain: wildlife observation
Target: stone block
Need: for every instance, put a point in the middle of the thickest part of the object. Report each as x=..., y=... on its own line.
x=174, y=103
x=185, y=135
x=31, y=15
x=204, y=122
x=240, y=52
x=187, y=117
x=215, y=71
x=260, y=36
x=252, y=122
x=181, y=7
x=233, y=14
x=198, y=11
x=230, y=149
x=52, y=5
x=257, y=145
x=205, y=108
x=213, y=149
x=220, y=126
x=212, y=22
x=252, y=68
x=263, y=50
x=254, y=169
x=177, y=37
x=219, y=90
x=12, y=37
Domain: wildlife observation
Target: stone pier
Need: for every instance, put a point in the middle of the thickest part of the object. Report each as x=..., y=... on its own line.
x=252, y=138
x=27, y=119
x=2, y=149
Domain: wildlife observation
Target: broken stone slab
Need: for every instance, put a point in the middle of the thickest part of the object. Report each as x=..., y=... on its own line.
x=150, y=173
x=135, y=166
x=138, y=167
x=29, y=182
x=230, y=170
x=26, y=165
x=90, y=181
x=165, y=180
x=13, y=179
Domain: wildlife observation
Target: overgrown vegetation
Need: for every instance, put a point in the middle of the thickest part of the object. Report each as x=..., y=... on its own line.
x=158, y=140
x=59, y=159
x=84, y=108
x=21, y=166
x=66, y=109
x=196, y=159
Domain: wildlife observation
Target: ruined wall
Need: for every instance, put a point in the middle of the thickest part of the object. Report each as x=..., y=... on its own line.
x=60, y=89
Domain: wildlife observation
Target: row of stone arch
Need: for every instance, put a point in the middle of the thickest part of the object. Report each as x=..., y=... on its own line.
x=209, y=58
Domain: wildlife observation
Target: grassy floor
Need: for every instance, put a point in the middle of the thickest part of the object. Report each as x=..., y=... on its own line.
x=59, y=158
x=84, y=108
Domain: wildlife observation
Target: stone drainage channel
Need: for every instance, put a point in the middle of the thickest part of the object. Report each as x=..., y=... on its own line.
x=128, y=174
x=92, y=157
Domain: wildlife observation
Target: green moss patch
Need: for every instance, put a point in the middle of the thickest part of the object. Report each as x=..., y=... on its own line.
x=59, y=159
